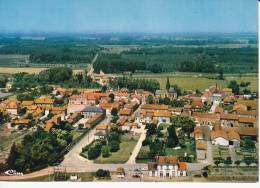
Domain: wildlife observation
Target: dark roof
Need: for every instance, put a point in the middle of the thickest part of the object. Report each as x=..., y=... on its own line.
x=93, y=109
x=172, y=90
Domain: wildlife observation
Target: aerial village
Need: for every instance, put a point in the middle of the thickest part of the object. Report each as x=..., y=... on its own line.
x=213, y=128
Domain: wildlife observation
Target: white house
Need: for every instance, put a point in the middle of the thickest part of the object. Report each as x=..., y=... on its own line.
x=225, y=137
x=167, y=166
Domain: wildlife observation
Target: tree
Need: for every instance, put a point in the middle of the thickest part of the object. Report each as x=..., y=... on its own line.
x=112, y=97
x=216, y=162
x=105, y=151
x=168, y=85
x=104, y=88
x=155, y=68
x=114, y=146
x=21, y=111
x=114, y=112
x=13, y=156
x=228, y=161
x=234, y=86
x=149, y=99
x=221, y=75
x=186, y=123
x=249, y=144
x=79, y=77
x=156, y=148
x=100, y=173
x=172, y=140
x=94, y=151
x=177, y=90
x=151, y=129
x=237, y=162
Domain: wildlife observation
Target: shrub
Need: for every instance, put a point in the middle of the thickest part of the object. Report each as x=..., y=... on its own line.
x=94, y=151
x=102, y=173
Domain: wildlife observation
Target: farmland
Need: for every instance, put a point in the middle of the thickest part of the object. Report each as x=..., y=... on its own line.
x=30, y=70
x=192, y=81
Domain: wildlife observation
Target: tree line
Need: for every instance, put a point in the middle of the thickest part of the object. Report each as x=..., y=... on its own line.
x=132, y=84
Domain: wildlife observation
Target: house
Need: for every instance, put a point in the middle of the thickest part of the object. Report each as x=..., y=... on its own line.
x=55, y=120
x=94, y=120
x=229, y=120
x=44, y=101
x=146, y=116
x=225, y=137
x=59, y=110
x=158, y=107
x=109, y=106
x=205, y=119
x=101, y=131
x=74, y=118
x=198, y=133
x=125, y=112
x=27, y=103
x=196, y=104
x=22, y=122
x=227, y=92
x=161, y=93
x=247, y=121
x=162, y=117
x=91, y=111
x=167, y=166
x=121, y=121
x=201, y=149
x=31, y=108
x=86, y=99
x=206, y=96
x=248, y=131
x=120, y=172
x=12, y=107
x=176, y=111
x=101, y=78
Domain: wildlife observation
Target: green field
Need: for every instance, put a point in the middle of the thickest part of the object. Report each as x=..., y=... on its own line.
x=199, y=81
x=121, y=156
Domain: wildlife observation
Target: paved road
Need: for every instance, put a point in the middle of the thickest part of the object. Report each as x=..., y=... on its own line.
x=209, y=157
x=72, y=158
x=138, y=146
x=213, y=107
x=233, y=155
x=91, y=69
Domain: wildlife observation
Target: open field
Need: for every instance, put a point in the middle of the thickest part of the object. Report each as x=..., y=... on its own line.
x=30, y=70
x=121, y=156
x=199, y=81
x=117, y=49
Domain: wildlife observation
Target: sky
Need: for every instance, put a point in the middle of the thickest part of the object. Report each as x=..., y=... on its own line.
x=156, y=16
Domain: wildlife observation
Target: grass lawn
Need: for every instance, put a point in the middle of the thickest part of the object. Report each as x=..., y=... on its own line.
x=200, y=81
x=7, y=138
x=189, y=149
x=121, y=156
x=85, y=176
x=76, y=133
